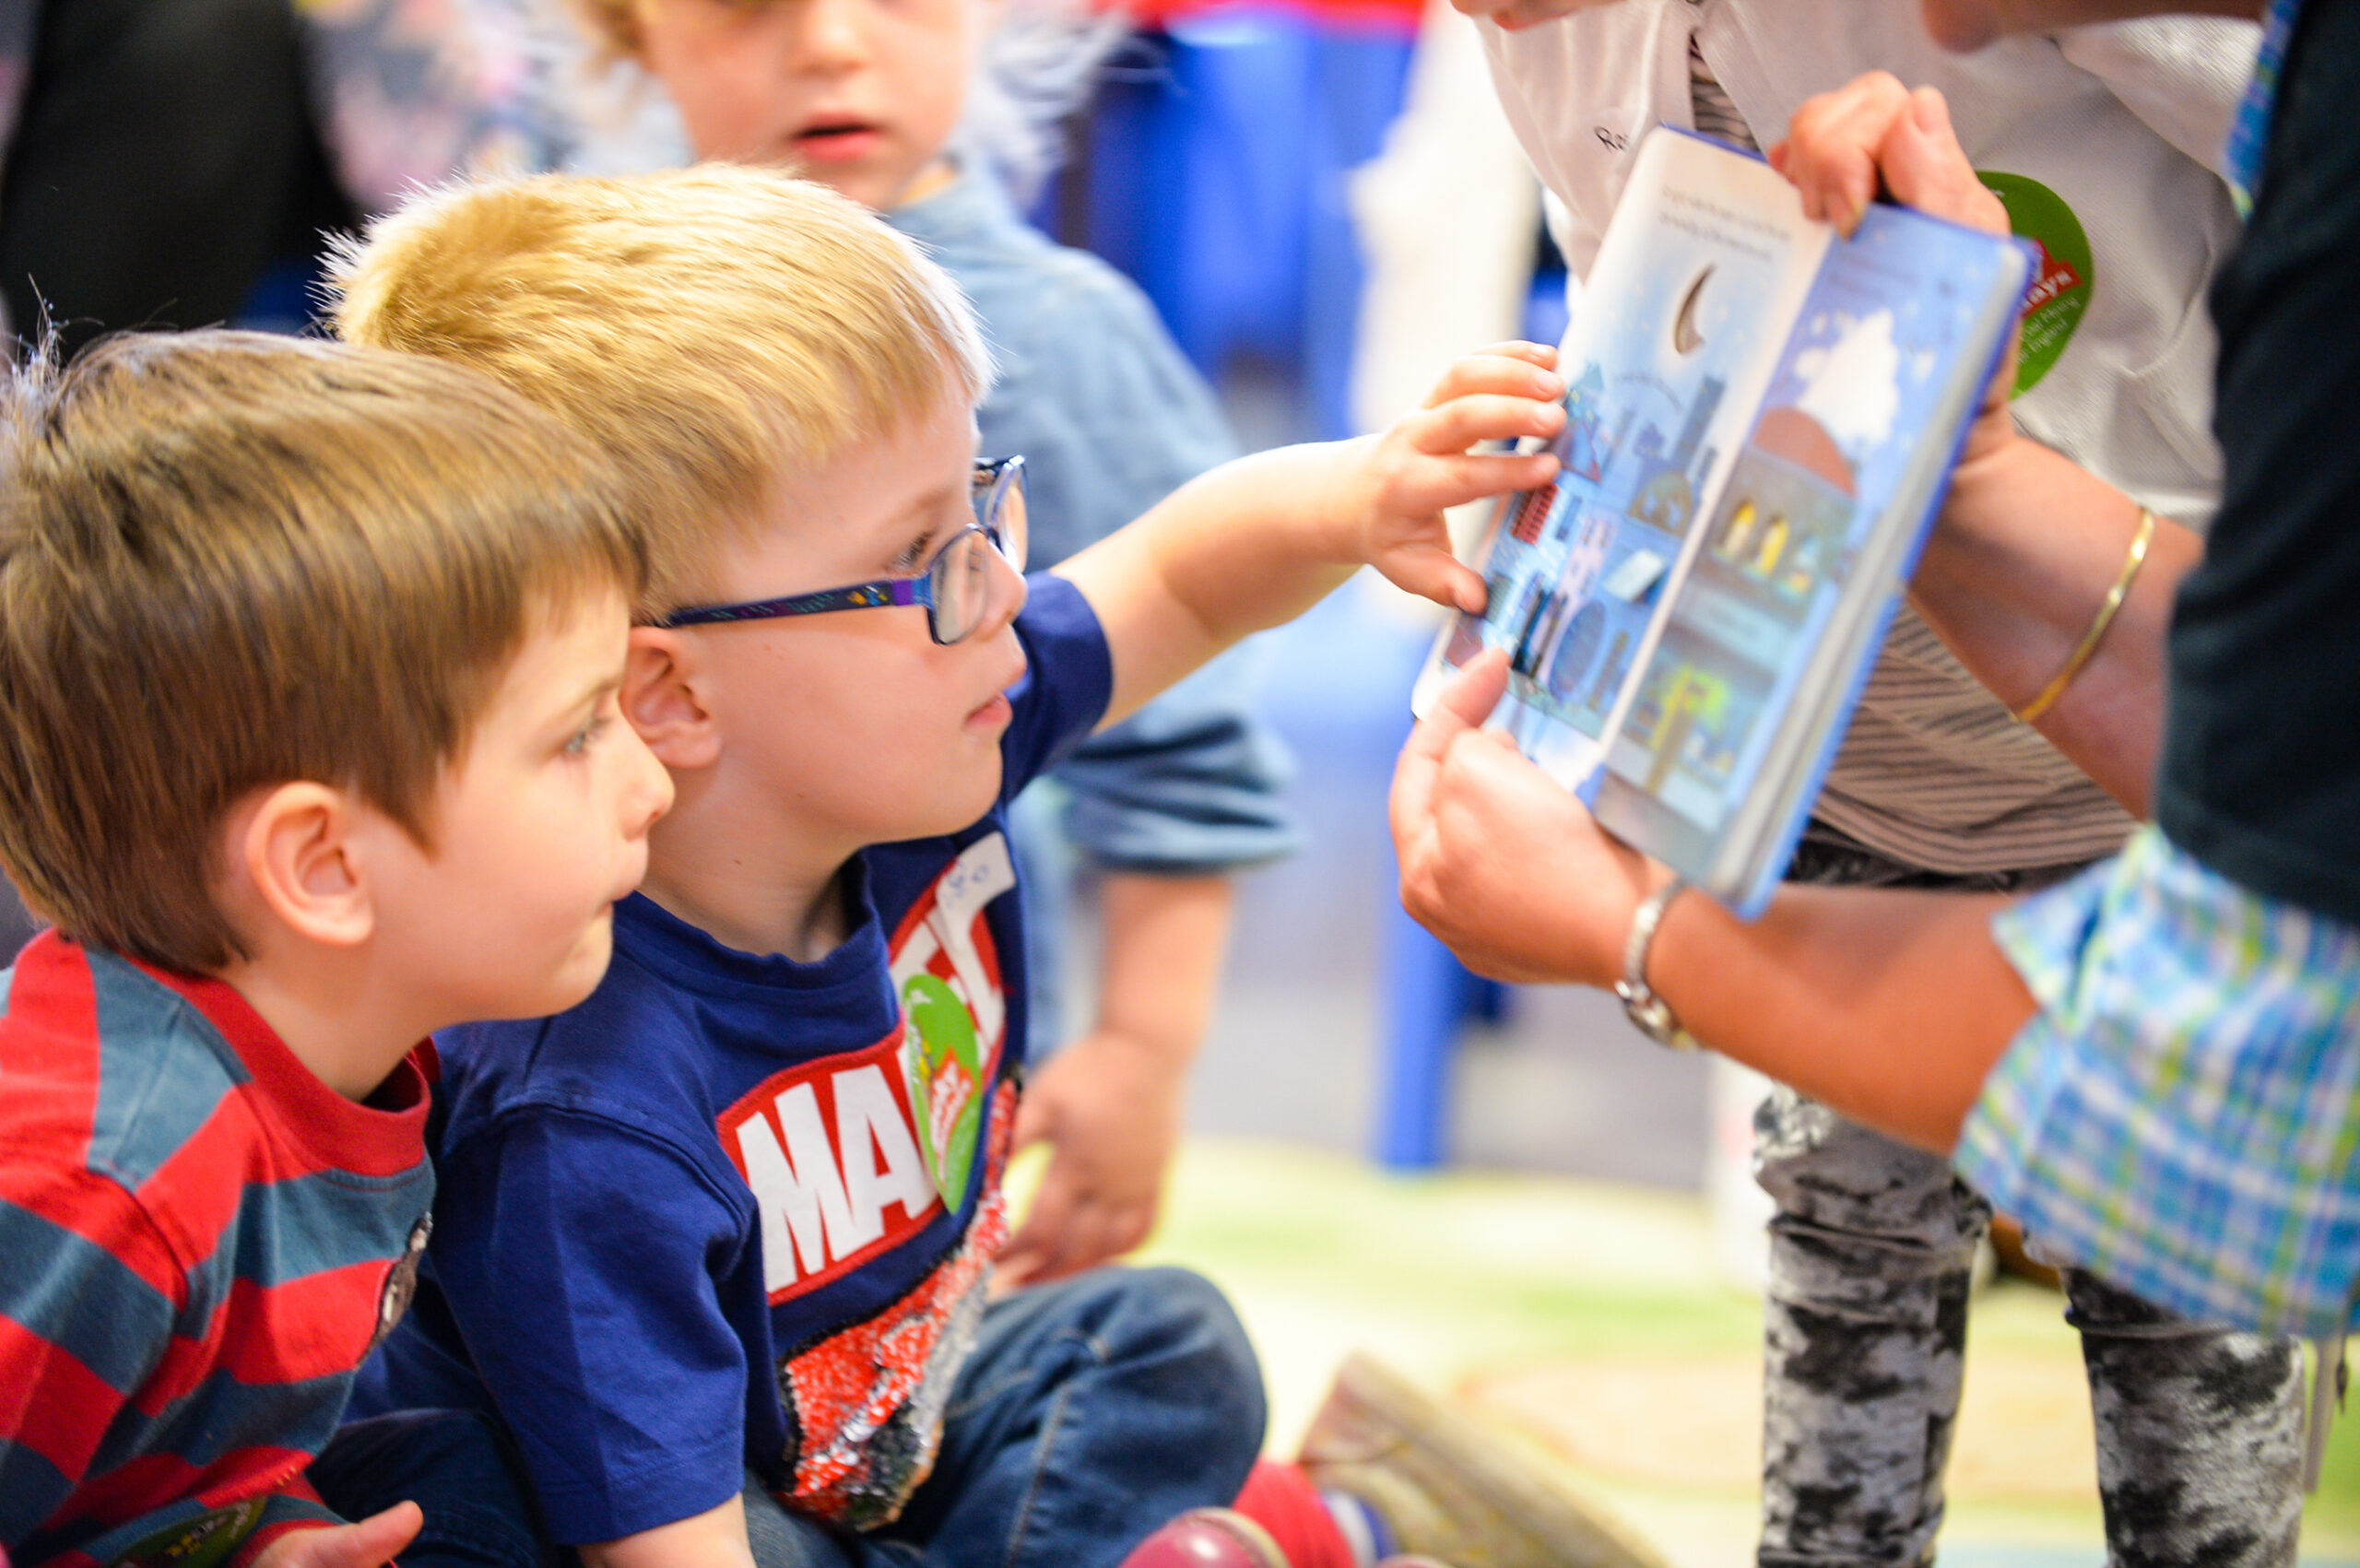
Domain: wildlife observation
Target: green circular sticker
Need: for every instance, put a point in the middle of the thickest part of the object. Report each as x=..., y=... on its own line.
x=2061, y=281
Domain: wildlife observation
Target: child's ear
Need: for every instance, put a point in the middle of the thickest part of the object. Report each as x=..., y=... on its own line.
x=293, y=851
x=663, y=699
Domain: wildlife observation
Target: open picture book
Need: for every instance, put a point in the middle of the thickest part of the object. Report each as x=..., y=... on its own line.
x=1761, y=422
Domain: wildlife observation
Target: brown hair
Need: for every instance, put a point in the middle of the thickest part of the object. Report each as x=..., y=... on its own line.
x=715, y=323
x=229, y=560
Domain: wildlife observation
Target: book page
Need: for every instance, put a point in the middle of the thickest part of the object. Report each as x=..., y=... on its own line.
x=1805, y=550
x=1679, y=322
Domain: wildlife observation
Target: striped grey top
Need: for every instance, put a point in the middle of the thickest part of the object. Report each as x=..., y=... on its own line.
x=1709, y=104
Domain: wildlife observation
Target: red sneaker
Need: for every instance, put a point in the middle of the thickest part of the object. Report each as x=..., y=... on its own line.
x=1208, y=1538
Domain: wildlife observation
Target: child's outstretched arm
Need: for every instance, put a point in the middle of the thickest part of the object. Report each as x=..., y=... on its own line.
x=1257, y=542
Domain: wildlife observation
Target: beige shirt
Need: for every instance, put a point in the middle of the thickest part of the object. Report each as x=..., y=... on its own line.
x=2125, y=123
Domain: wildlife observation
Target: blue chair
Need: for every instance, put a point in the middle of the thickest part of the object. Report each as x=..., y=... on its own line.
x=1218, y=177
x=1429, y=997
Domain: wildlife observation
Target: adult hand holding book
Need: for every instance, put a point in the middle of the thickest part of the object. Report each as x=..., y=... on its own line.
x=1497, y=859
x=1760, y=417
x=2012, y=591
x=1519, y=880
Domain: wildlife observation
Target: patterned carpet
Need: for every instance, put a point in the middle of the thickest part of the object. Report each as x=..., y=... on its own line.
x=1589, y=1324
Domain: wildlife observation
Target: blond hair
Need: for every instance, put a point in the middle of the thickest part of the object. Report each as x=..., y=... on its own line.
x=714, y=326
x=229, y=560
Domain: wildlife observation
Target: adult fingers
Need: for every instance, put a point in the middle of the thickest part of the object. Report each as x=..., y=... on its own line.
x=1924, y=167
x=1832, y=145
x=1512, y=15
x=1461, y=706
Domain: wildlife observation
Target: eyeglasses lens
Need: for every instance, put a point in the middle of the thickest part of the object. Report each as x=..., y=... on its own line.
x=959, y=586
x=999, y=506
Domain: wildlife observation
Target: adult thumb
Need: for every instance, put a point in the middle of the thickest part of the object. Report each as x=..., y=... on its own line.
x=1462, y=704
x=1468, y=697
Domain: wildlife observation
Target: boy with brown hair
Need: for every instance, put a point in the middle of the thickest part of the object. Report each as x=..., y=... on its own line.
x=308, y=675
x=716, y=1244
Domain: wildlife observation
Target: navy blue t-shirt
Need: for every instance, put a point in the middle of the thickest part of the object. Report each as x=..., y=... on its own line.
x=735, y=1211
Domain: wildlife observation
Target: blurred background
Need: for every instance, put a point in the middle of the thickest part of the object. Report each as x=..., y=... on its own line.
x=1508, y=1194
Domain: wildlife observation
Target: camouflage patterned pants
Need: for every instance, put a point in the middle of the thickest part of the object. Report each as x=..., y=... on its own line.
x=2199, y=1430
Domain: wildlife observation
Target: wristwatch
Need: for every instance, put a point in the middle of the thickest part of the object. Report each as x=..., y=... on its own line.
x=1651, y=1014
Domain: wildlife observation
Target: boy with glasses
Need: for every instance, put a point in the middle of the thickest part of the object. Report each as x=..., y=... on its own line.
x=716, y=1244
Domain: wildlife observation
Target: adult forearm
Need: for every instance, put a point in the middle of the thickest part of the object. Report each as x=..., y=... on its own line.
x=2028, y=547
x=1891, y=1007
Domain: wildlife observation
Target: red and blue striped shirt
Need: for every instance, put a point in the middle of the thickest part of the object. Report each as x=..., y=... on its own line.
x=199, y=1243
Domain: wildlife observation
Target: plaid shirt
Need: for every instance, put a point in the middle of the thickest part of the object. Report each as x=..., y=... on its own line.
x=2182, y=1116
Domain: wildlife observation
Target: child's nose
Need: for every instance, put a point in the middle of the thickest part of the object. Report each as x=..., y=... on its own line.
x=834, y=36
x=649, y=793
x=1009, y=591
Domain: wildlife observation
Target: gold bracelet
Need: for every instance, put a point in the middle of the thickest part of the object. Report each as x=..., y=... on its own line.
x=2132, y=562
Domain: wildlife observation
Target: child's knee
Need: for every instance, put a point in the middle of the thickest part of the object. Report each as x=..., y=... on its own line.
x=1180, y=1322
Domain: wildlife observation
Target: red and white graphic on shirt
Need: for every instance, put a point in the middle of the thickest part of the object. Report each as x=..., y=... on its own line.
x=954, y=1009
x=831, y=1152
x=850, y=1155
x=868, y=1400
x=2054, y=277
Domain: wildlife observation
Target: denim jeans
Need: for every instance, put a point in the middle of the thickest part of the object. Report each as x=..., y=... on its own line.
x=456, y=1465
x=1091, y=1411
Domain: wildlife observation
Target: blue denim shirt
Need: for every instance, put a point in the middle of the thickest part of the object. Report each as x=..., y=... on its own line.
x=1110, y=419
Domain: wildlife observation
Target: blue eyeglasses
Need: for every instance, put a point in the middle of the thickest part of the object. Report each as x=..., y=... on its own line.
x=955, y=587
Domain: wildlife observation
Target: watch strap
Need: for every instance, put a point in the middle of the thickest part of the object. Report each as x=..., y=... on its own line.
x=1649, y=1012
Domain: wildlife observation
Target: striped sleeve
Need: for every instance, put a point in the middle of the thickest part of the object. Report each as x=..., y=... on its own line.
x=191, y=1531
x=97, y=1339
x=89, y=1305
